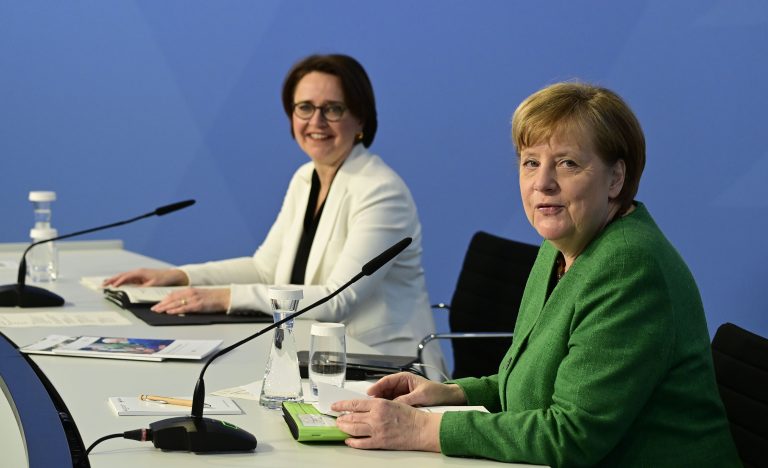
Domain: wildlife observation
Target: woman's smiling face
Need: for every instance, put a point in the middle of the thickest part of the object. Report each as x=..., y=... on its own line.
x=327, y=143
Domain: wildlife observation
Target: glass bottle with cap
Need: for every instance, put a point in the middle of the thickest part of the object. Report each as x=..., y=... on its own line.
x=41, y=202
x=282, y=381
x=327, y=355
x=43, y=260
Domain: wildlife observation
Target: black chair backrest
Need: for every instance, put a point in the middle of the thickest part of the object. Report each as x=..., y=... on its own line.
x=741, y=369
x=487, y=298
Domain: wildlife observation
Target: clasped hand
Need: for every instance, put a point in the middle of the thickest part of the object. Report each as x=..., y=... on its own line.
x=178, y=302
x=390, y=421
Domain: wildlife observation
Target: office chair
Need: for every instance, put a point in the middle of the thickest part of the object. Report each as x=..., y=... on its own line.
x=485, y=303
x=741, y=370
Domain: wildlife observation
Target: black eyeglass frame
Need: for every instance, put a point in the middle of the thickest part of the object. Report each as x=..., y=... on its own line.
x=323, y=110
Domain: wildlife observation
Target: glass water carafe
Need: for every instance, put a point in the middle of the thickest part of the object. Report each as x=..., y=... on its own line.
x=282, y=381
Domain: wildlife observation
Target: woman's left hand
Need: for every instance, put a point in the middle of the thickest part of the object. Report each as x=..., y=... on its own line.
x=194, y=300
x=384, y=424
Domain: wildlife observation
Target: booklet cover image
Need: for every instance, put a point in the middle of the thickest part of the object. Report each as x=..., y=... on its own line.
x=127, y=345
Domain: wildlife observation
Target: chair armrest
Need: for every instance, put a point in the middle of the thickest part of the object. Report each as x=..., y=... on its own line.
x=458, y=335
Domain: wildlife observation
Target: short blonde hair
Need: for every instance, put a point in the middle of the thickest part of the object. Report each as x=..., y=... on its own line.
x=590, y=111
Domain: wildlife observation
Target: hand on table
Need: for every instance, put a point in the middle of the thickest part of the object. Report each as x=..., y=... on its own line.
x=383, y=424
x=149, y=277
x=194, y=300
x=414, y=390
x=178, y=302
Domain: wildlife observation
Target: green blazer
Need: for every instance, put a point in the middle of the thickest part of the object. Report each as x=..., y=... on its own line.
x=614, y=368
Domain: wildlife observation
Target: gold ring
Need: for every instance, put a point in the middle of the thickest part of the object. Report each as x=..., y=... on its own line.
x=184, y=301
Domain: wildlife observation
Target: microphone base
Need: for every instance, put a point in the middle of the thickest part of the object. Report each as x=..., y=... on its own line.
x=200, y=435
x=13, y=295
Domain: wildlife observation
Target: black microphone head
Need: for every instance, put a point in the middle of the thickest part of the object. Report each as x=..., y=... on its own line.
x=392, y=252
x=164, y=210
x=200, y=435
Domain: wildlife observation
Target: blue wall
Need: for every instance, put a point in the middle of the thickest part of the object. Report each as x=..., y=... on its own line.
x=122, y=106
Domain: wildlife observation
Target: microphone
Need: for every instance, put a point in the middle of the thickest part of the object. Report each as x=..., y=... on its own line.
x=164, y=210
x=21, y=295
x=384, y=257
x=195, y=433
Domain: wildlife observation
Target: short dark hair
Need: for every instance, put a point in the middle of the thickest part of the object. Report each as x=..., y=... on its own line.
x=596, y=113
x=355, y=84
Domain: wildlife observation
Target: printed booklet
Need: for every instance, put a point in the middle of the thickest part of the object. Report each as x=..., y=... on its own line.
x=141, y=349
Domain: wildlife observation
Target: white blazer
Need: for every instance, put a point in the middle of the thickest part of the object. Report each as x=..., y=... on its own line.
x=368, y=209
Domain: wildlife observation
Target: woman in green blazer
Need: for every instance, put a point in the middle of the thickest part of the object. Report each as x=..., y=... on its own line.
x=611, y=363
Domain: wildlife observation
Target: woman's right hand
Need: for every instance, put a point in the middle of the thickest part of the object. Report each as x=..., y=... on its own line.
x=415, y=390
x=149, y=277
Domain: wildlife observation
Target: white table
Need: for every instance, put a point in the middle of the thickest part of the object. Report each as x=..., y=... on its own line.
x=85, y=384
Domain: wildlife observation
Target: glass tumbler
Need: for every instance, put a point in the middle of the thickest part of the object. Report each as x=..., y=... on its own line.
x=327, y=355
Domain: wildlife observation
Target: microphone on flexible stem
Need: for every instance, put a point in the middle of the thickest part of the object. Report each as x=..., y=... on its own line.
x=21, y=295
x=195, y=433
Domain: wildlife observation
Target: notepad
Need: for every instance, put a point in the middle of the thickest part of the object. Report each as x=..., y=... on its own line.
x=134, y=406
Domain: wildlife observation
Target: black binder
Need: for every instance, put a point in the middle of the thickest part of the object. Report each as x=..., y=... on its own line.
x=142, y=311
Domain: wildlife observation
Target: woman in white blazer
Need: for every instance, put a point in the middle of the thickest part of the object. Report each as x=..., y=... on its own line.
x=341, y=210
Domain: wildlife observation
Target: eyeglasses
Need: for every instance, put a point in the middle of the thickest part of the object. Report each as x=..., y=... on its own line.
x=332, y=111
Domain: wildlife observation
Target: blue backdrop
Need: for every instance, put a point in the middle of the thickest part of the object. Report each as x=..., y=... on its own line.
x=122, y=106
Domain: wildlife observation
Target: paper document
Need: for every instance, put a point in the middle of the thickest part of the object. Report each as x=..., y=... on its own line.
x=9, y=265
x=444, y=409
x=134, y=294
x=252, y=391
x=93, y=282
x=61, y=319
x=133, y=406
x=329, y=394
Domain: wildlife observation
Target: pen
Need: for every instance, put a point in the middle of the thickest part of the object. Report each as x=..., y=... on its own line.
x=169, y=400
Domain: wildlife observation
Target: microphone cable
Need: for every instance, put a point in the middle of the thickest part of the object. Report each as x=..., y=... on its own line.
x=142, y=435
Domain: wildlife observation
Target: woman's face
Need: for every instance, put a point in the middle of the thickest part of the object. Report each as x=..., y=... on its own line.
x=568, y=191
x=327, y=143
